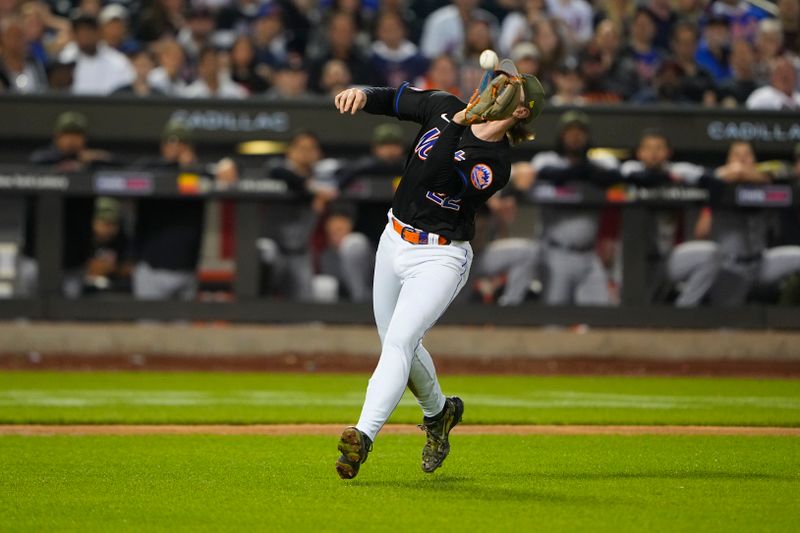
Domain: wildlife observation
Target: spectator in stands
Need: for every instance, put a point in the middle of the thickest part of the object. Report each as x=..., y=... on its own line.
x=212, y=81
x=620, y=12
x=348, y=256
x=696, y=83
x=341, y=44
x=526, y=57
x=689, y=11
x=269, y=36
x=99, y=69
x=163, y=18
x=576, y=15
x=478, y=38
x=289, y=82
x=608, y=75
x=68, y=151
x=19, y=72
x=712, y=54
x=665, y=87
x=445, y=29
x=517, y=25
x=395, y=58
x=641, y=48
x=168, y=231
x=143, y=65
x=741, y=234
x=692, y=265
x=113, y=21
x=781, y=93
x=552, y=48
x=769, y=43
x=789, y=17
x=573, y=271
x=442, y=74
x=569, y=86
x=46, y=33
x=735, y=91
x=285, y=248
x=335, y=77
x=742, y=16
x=244, y=69
x=665, y=19
x=168, y=76
x=196, y=34
x=238, y=15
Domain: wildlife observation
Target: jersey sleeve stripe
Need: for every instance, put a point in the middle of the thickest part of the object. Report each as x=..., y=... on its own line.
x=397, y=97
x=464, y=183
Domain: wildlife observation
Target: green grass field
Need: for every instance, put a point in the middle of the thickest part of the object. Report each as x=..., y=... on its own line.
x=494, y=483
x=279, y=398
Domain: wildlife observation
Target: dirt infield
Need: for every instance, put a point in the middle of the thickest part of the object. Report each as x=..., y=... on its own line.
x=339, y=362
x=402, y=429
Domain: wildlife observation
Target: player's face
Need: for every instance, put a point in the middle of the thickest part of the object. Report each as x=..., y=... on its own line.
x=741, y=153
x=653, y=152
x=70, y=143
x=575, y=138
x=304, y=151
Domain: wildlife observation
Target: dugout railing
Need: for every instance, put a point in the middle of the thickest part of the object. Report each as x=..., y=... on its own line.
x=250, y=194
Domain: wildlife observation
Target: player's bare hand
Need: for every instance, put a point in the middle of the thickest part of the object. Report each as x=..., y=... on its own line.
x=350, y=100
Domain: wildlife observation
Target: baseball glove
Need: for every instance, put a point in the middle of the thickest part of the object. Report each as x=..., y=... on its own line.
x=497, y=101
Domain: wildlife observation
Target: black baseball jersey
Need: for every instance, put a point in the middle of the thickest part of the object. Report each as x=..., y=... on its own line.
x=450, y=173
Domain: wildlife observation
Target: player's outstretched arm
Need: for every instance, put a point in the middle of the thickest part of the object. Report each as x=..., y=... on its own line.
x=350, y=100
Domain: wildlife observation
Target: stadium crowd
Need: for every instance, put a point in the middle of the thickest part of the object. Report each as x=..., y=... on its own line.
x=705, y=52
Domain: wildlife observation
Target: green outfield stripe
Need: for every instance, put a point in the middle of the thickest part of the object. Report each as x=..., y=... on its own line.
x=395, y=429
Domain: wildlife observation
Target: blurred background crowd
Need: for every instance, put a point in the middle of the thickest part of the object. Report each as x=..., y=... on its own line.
x=316, y=243
x=705, y=52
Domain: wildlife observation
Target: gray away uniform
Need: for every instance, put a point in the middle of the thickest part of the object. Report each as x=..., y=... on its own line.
x=692, y=265
x=573, y=271
x=741, y=235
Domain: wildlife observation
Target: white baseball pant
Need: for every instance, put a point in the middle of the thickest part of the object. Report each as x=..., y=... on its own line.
x=413, y=285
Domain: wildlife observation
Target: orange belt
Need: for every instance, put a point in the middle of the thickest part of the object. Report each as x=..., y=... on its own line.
x=415, y=236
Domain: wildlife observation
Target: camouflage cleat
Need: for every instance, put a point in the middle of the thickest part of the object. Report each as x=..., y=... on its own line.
x=355, y=446
x=438, y=445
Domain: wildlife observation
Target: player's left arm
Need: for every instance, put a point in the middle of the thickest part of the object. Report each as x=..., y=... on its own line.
x=404, y=103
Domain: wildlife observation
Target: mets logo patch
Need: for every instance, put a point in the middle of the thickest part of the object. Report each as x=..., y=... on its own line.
x=481, y=176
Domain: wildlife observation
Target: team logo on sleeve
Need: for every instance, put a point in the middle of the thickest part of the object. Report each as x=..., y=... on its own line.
x=481, y=176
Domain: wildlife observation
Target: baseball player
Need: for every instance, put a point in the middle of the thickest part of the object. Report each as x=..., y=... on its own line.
x=741, y=234
x=573, y=271
x=693, y=264
x=460, y=158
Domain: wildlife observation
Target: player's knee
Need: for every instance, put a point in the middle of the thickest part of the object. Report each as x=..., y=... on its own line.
x=399, y=344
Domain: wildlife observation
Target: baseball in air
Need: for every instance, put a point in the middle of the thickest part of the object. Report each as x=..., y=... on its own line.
x=489, y=60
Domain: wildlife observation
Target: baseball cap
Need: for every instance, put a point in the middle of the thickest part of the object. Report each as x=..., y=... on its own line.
x=574, y=118
x=113, y=12
x=176, y=131
x=71, y=122
x=388, y=134
x=524, y=50
x=107, y=209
